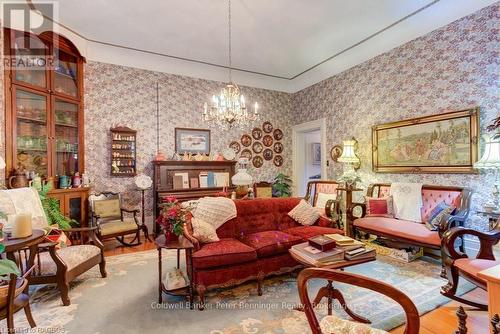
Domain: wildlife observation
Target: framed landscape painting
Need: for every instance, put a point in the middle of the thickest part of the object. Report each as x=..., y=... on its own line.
x=194, y=141
x=445, y=143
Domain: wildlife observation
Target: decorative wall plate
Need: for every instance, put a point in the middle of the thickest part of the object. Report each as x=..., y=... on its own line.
x=257, y=133
x=257, y=147
x=267, y=140
x=278, y=134
x=278, y=147
x=235, y=146
x=257, y=161
x=246, y=140
x=268, y=154
x=229, y=154
x=336, y=152
x=278, y=160
x=267, y=127
x=246, y=153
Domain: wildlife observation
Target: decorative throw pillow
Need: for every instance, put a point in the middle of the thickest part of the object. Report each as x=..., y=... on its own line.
x=437, y=214
x=322, y=198
x=379, y=207
x=304, y=213
x=203, y=231
x=54, y=234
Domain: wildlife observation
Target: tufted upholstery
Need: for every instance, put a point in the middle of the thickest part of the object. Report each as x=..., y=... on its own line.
x=270, y=243
x=430, y=198
x=223, y=253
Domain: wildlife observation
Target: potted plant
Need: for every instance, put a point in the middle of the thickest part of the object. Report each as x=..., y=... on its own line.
x=173, y=217
x=350, y=178
x=7, y=267
x=52, y=210
x=282, y=186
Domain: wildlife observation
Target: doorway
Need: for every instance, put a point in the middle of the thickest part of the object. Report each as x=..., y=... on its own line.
x=309, y=154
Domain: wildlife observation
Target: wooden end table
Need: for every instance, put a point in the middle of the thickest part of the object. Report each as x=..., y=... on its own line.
x=329, y=291
x=348, y=203
x=178, y=245
x=13, y=245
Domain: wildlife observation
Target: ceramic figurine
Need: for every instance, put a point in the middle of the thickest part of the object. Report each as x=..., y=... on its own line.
x=77, y=181
x=199, y=157
x=85, y=180
x=176, y=157
x=160, y=156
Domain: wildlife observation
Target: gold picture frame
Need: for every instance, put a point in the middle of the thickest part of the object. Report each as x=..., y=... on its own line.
x=445, y=143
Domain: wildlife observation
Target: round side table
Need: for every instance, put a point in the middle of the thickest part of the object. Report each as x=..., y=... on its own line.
x=178, y=245
x=13, y=245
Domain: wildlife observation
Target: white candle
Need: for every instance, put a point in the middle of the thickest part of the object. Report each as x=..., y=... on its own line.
x=22, y=226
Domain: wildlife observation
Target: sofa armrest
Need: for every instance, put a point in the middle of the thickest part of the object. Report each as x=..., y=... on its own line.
x=350, y=210
x=188, y=234
x=325, y=222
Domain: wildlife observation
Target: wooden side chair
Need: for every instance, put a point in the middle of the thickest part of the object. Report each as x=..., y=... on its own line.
x=324, y=195
x=458, y=264
x=54, y=264
x=111, y=219
x=333, y=324
x=16, y=300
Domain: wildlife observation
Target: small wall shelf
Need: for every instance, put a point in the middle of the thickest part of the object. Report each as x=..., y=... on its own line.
x=123, y=152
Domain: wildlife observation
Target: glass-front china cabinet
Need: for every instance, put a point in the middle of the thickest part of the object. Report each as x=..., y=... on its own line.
x=44, y=113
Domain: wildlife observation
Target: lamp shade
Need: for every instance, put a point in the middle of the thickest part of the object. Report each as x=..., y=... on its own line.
x=348, y=152
x=2, y=163
x=491, y=154
x=242, y=178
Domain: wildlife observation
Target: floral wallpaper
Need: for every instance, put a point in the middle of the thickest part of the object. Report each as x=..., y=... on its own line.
x=117, y=95
x=452, y=68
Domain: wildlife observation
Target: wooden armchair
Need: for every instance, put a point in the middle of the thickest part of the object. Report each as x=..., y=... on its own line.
x=324, y=194
x=110, y=218
x=457, y=263
x=61, y=266
x=334, y=325
x=17, y=299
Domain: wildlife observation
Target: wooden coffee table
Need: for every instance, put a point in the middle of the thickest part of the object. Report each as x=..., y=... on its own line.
x=329, y=291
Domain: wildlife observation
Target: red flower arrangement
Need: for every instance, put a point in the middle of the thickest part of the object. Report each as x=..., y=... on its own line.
x=173, y=217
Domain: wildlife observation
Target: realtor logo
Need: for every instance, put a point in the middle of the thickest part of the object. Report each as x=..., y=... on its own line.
x=34, y=18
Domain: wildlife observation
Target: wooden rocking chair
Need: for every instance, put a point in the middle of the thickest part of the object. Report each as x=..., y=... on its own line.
x=110, y=218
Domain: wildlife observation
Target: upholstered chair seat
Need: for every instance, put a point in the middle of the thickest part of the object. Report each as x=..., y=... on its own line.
x=118, y=227
x=72, y=256
x=337, y=325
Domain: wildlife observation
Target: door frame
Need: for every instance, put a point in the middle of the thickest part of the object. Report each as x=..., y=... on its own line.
x=303, y=128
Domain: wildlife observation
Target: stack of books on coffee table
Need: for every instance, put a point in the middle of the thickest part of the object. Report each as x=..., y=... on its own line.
x=329, y=249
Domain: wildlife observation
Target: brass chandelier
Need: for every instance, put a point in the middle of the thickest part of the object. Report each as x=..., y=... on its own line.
x=228, y=109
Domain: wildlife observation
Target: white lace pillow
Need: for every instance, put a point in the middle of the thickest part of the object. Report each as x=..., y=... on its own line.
x=323, y=198
x=203, y=231
x=304, y=213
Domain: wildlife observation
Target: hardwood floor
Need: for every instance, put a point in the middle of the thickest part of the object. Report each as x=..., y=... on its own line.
x=439, y=321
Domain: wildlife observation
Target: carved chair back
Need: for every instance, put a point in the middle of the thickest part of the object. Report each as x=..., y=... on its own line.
x=105, y=206
x=314, y=188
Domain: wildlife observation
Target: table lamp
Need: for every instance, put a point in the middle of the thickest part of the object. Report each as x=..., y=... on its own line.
x=491, y=160
x=349, y=154
x=242, y=179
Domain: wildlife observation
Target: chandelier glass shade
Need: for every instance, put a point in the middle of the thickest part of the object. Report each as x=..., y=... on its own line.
x=228, y=109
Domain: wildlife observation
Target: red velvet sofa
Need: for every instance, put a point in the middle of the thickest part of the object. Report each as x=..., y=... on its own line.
x=410, y=232
x=252, y=246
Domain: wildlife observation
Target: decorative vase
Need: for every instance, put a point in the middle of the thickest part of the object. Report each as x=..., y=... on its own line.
x=169, y=235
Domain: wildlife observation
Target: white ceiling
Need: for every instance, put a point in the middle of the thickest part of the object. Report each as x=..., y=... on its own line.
x=279, y=42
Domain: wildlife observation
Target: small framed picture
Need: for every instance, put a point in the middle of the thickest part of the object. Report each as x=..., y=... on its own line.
x=192, y=141
x=316, y=154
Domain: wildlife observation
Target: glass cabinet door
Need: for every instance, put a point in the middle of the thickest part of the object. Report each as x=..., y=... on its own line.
x=30, y=59
x=66, y=137
x=31, y=131
x=65, y=73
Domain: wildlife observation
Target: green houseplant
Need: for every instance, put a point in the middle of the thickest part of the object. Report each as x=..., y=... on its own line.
x=52, y=210
x=282, y=186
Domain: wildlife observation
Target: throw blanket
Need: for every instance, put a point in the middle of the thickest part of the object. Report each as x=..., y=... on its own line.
x=215, y=210
x=407, y=201
x=23, y=200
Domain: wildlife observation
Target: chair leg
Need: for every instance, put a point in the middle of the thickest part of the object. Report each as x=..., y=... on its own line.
x=63, y=287
x=10, y=323
x=29, y=316
x=128, y=244
x=260, y=280
x=102, y=268
x=145, y=229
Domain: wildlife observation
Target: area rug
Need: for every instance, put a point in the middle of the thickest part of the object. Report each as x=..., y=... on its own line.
x=126, y=301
